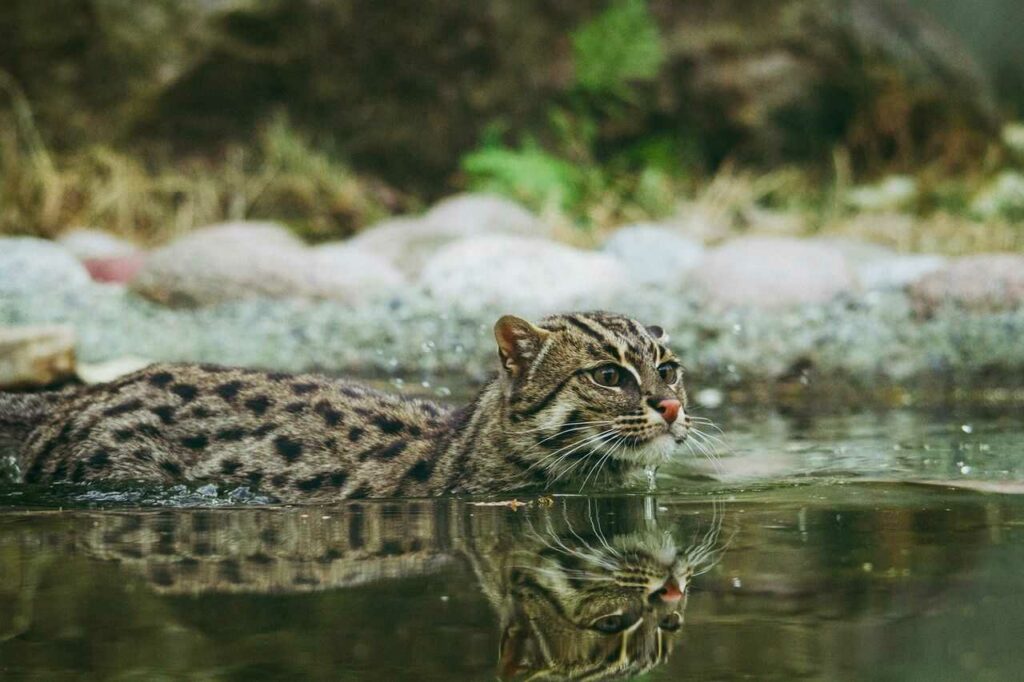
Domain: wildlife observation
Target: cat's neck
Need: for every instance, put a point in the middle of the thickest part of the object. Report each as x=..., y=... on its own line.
x=482, y=451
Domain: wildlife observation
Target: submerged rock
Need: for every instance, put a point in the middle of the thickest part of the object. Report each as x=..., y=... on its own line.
x=772, y=272
x=526, y=275
x=979, y=283
x=655, y=255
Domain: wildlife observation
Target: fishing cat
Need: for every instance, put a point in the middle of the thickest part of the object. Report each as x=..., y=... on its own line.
x=578, y=395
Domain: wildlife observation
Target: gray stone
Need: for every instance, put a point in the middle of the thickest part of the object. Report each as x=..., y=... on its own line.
x=522, y=275
x=224, y=263
x=654, y=255
x=409, y=241
x=478, y=214
x=102, y=372
x=896, y=192
x=772, y=272
x=88, y=243
x=897, y=271
x=979, y=283
x=29, y=266
x=240, y=261
x=1002, y=198
x=347, y=266
x=34, y=357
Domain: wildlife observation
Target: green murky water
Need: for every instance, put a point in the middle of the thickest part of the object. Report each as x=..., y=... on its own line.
x=872, y=545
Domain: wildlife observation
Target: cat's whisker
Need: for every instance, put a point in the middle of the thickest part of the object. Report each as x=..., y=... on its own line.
x=567, y=431
x=562, y=428
x=702, y=446
x=710, y=437
x=595, y=524
x=597, y=438
x=575, y=445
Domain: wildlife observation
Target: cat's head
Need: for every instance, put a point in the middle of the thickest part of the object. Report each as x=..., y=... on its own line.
x=588, y=388
x=595, y=610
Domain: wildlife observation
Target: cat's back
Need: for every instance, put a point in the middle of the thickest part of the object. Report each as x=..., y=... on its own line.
x=196, y=422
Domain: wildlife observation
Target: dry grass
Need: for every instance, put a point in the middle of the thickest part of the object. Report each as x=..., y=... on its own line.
x=281, y=177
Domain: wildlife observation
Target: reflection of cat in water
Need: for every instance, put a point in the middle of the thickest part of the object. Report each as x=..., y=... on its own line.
x=592, y=608
x=574, y=600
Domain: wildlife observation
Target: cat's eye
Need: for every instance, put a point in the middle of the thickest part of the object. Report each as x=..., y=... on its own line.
x=669, y=372
x=671, y=622
x=612, y=623
x=607, y=375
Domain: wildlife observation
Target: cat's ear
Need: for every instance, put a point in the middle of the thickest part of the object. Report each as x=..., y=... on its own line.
x=657, y=332
x=519, y=342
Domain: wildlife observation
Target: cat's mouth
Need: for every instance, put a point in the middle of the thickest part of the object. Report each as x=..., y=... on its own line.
x=648, y=449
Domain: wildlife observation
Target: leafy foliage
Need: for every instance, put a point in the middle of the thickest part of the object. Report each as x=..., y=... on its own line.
x=529, y=174
x=620, y=45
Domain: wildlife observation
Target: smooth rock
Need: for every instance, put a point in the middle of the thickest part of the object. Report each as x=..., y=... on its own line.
x=654, y=255
x=478, y=214
x=898, y=271
x=29, y=266
x=240, y=261
x=352, y=267
x=225, y=263
x=115, y=269
x=34, y=357
x=522, y=275
x=102, y=372
x=410, y=241
x=772, y=272
x=893, y=193
x=87, y=243
x=980, y=283
x=1002, y=198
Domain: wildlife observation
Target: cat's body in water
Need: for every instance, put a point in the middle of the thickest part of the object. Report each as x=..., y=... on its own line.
x=580, y=397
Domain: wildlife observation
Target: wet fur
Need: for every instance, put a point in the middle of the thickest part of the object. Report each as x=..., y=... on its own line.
x=301, y=437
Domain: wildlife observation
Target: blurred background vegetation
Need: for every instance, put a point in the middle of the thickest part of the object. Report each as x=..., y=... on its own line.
x=149, y=118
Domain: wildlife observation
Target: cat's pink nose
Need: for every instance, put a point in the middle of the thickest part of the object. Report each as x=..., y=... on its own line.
x=670, y=592
x=669, y=409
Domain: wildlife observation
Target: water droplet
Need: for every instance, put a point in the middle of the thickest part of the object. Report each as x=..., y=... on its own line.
x=737, y=583
x=965, y=469
x=652, y=474
x=443, y=391
x=710, y=398
x=967, y=428
x=208, y=490
x=425, y=384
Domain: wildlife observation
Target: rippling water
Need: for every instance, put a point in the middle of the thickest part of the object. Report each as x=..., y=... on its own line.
x=872, y=545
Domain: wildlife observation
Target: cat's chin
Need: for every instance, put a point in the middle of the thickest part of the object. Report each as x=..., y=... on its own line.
x=652, y=452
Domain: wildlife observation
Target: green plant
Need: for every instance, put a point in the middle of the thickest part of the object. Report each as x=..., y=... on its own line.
x=620, y=45
x=529, y=174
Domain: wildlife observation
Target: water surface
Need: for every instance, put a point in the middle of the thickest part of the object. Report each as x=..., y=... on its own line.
x=881, y=545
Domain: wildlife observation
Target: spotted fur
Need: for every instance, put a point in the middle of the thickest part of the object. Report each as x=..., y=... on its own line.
x=546, y=419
